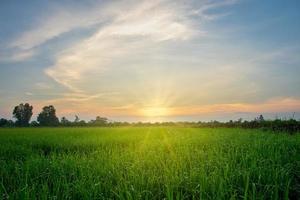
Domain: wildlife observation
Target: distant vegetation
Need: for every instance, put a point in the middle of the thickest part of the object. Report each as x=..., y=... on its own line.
x=47, y=118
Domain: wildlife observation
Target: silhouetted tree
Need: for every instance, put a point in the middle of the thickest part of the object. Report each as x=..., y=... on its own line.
x=22, y=113
x=76, y=120
x=261, y=118
x=48, y=116
x=65, y=122
x=3, y=122
x=81, y=123
x=100, y=121
x=6, y=123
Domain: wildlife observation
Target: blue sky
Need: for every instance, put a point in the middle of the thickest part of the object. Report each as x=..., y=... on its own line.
x=158, y=60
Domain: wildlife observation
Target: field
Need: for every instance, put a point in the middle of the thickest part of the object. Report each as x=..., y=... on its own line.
x=148, y=163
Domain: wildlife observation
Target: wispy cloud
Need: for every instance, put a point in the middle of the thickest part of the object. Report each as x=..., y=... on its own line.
x=123, y=57
x=42, y=86
x=207, y=6
x=17, y=56
x=54, y=22
x=133, y=28
x=58, y=20
x=119, y=23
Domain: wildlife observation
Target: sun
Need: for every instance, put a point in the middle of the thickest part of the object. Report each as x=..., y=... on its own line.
x=155, y=111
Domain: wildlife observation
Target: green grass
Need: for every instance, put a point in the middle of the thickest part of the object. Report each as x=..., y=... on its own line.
x=148, y=163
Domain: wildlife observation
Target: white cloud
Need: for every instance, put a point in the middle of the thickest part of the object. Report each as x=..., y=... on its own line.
x=133, y=28
x=42, y=86
x=159, y=19
x=56, y=21
x=203, y=11
x=59, y=21
x=123, y=29
x=18, y=56
x=24, y=55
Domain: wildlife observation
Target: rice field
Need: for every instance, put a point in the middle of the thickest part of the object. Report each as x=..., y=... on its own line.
x=148, y=163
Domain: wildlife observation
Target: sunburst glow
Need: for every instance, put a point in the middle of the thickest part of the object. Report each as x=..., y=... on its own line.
x=155, y=112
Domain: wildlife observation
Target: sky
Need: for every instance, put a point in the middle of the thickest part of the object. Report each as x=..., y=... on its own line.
x=158, y=60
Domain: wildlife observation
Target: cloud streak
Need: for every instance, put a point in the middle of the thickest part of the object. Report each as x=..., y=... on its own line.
x=133, y=28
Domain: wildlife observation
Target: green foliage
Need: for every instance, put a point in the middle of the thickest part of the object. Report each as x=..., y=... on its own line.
x=48, y=117
x=6, y=123
x=148, y=163
x=99, y=121
x=22, y=113
x=291, y=126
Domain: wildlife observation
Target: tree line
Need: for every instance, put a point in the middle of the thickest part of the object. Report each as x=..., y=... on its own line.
x=22, y=114
x=47, y=118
